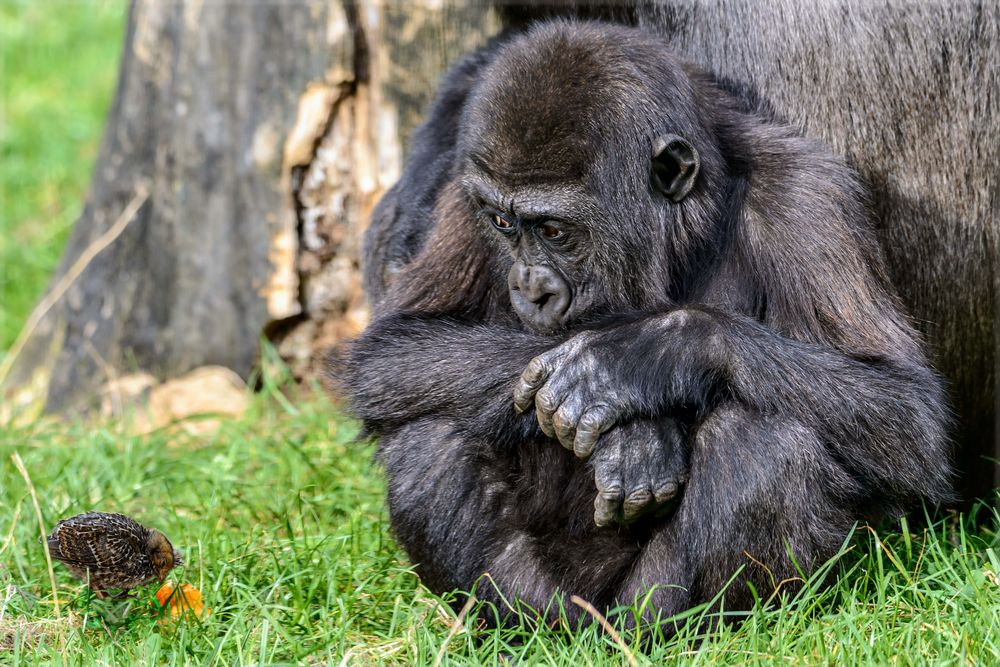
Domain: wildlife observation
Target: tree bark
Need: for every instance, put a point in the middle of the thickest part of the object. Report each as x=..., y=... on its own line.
x=245, y=148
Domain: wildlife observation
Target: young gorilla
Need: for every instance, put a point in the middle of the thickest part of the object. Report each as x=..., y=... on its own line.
x=686, y=293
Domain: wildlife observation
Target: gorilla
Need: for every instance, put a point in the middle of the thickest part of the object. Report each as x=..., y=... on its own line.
x=633, y=338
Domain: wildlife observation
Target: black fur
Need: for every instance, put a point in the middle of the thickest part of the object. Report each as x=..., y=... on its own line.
x=742, y=342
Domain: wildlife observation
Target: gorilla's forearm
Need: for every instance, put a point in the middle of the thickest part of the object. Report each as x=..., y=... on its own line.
x=881, y=418
x=406, y=367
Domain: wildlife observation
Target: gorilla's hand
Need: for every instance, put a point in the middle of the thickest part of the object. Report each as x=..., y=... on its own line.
x=639, y=468
x=598, y=378
x=573, y=389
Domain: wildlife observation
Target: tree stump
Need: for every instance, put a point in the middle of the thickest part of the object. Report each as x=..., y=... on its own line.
x=245, y=148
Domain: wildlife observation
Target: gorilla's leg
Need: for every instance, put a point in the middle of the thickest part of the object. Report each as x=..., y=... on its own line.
x=464, y=509
x=763, y=490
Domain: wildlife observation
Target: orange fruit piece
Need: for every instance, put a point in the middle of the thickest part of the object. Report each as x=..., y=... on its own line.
x=179, y=600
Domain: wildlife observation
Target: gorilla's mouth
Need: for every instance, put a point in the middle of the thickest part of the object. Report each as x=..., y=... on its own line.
x=540, y=296
x=543, y=300
x=547, y=312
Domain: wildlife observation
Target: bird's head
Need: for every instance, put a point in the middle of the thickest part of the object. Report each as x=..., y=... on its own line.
x=162, y=554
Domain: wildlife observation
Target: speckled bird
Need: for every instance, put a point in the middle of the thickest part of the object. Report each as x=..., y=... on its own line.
x=112, y=551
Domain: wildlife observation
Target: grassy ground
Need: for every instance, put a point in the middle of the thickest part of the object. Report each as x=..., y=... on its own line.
x=58, y=65
x=281, y=515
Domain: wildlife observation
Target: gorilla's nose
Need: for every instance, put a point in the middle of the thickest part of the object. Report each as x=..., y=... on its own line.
x=539, y=295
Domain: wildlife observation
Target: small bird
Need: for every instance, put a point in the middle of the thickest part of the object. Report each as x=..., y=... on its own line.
x=112, y=551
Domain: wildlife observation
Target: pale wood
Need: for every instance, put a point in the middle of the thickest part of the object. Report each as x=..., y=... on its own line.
x=263, y=132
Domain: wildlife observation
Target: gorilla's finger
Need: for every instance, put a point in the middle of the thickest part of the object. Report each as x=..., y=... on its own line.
x=665, y=491
x=565, y=379
x=665, y=476
x=607, y=466
x=546, y=404
x=607, y=507
x=565, y=420
x=648, y=454
x=638, y=468
x=595, y=421
x=635, y=504
x=534, y=376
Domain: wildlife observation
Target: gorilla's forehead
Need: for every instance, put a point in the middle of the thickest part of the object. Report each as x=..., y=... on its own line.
x=556, y=199
x=530, y=138
x=549, y=106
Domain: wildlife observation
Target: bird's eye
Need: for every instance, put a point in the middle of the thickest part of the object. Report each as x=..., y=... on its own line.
x=551, y=231
x=502, y=223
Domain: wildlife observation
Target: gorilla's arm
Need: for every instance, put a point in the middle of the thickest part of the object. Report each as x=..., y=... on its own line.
x=882, y=418
x=408, y=366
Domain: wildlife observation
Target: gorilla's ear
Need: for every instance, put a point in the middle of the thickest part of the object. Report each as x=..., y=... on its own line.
x=675, y=166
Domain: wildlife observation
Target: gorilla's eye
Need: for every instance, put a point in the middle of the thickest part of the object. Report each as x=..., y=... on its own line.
x=502, y=223
x=551, y=231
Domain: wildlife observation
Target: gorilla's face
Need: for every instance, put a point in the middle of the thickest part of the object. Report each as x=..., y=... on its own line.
x=546, y=289
x=579, y=192
x=575, y=253
x=546, y=228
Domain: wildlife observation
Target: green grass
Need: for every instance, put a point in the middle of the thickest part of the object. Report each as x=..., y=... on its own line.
x=58, y=66
x=281, y=518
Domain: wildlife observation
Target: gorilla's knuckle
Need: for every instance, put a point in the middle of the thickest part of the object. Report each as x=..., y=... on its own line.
x=613, y=492
x=536, y=369
x=592, y=420
x=639, y=497
x=546, y=399
x=666, y=491
x=564, y=418
x=587, y=427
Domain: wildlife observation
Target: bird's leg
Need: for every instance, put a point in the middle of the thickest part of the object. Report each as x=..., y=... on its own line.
x=98, y=592
x=124, y=595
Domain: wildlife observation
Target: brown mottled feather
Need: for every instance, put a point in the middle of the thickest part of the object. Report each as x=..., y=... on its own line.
x=111, y=550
